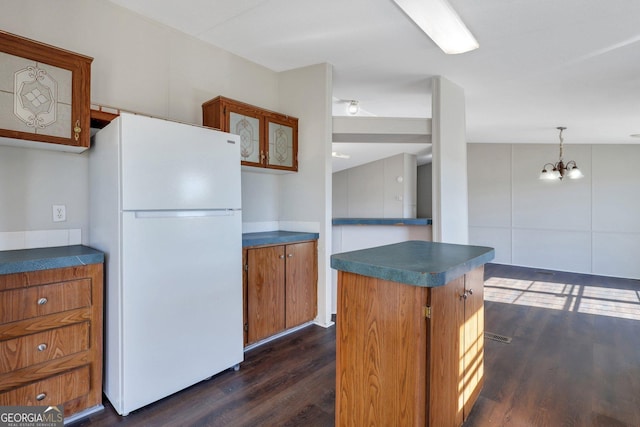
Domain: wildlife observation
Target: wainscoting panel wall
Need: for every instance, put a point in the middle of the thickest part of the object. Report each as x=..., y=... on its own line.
x=587, y=226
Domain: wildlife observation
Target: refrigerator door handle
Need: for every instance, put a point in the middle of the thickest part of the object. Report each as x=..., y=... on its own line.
x=185, y=214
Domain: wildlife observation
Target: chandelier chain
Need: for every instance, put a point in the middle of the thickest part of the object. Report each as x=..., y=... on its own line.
x=560, y=128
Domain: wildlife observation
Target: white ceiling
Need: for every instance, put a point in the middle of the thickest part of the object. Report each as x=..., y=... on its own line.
x=541, y=64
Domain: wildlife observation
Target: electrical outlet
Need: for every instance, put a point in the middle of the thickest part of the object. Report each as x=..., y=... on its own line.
x=59, y=213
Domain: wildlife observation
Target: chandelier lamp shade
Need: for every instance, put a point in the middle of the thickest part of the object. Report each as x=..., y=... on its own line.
x=560, y=169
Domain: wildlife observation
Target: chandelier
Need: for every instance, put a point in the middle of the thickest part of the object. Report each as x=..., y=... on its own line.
x=559, y=170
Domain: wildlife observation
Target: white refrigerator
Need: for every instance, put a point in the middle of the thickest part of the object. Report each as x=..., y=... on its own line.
x=165, y=207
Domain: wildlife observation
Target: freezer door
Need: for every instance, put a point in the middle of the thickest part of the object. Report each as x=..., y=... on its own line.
x=169, y=165
x=181, y=301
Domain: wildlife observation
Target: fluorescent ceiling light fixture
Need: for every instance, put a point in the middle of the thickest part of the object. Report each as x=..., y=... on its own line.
x=340, y=155
x=438, y=19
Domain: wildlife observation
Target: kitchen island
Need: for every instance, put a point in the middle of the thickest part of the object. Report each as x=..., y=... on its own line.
x=410, y=324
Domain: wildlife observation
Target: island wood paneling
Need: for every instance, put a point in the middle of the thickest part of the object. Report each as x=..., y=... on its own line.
x=445, y=355
x=397, y=364
x=381, y=352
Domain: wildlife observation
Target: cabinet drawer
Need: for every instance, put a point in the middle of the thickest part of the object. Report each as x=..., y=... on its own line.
x=32, y=349
x=50, y=391
x=20, y=304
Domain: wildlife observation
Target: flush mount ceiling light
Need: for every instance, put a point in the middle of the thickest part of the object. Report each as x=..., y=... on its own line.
x=559, y=170
x=353, y=108
x=440, y=22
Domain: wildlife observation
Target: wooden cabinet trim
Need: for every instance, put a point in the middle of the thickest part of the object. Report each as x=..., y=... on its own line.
x=45, y=277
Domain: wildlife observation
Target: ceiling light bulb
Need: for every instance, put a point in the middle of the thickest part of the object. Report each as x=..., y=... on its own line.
x=353, y=108
x=440, y=22
x=575, y=173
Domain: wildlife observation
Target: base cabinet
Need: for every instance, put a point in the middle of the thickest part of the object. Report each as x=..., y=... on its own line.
x=280, y=288
x=51, y=338
x=408, y=355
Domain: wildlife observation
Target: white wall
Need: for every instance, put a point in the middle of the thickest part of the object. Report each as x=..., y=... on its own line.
x=424, y=191
x=449, y=166
x=588, y=225
x=151, y=69
x=385, y=188
x=305, y=197
x=139, y=66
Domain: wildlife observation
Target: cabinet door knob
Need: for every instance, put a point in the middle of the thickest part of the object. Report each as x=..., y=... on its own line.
x=41, y=396
x=42, y=301
x=42, y=347
x=281, y=256
x=290, y=255
x=470, y=291
x=464, y=296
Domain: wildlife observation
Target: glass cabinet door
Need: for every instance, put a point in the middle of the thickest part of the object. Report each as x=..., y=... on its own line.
x=44, y=92
x=249, y=130
x=282, y=141
x=36, y=97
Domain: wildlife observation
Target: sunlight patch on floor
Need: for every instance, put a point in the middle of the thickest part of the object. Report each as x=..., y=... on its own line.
x=622, y=303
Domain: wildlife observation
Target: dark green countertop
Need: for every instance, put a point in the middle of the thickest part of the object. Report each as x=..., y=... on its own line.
x=417, y=263
x=25, y=260
x=276, y=237
x=381, y=221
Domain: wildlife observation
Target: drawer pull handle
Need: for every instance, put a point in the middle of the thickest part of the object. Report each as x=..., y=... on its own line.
x=41, y=396
x=42, y=347
x=42, y=301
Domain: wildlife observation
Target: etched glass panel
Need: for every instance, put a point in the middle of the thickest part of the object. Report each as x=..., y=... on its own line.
x=35, y=97
x=280, y=145
x=249, y=130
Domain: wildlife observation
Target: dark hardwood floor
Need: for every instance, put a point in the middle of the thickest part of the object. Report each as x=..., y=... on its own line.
x=575, y=355
x=574, y=360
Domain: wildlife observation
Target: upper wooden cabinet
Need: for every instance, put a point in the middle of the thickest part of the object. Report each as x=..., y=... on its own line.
x=269, y=139
x=44, y=94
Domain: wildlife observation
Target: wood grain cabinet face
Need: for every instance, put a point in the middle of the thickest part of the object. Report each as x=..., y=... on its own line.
x=51, y=338
x=281, y=288
x=44, y=93
x=265, y=293
x=419, y=370
x=268, y=139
